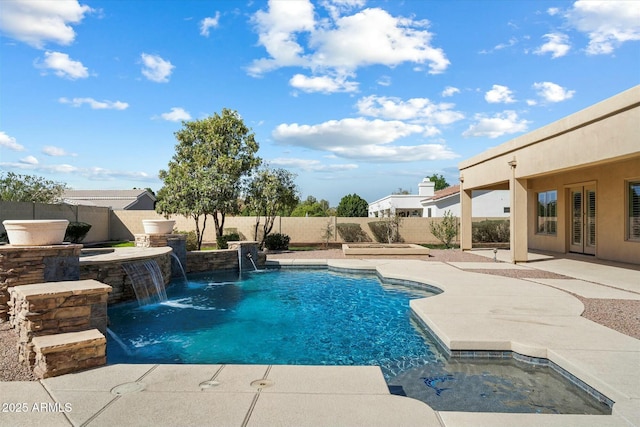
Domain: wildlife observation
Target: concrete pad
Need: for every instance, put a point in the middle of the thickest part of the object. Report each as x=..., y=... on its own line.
x=238, y=378
x=488, y=266
x=616, y=277
x=100, y=379
x=484, y=419
x=176, y=409
x=504, y=255
x=587, y=289
x=28, y=404
x=615, y=370
x=320, y=410
x=84, y=404
x=327, y=379
x=179, y=377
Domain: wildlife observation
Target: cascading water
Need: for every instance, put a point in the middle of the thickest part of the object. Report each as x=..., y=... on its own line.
x=252, y=261
x=177, y=260
x=147, y=281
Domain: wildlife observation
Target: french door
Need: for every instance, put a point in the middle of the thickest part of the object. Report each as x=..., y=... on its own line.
x=583, y=219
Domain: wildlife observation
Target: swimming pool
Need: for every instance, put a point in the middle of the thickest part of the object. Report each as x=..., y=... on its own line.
x=320, y=317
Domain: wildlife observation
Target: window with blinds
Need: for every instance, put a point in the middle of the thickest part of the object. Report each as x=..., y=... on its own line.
x=547, y=212
x=634, y=211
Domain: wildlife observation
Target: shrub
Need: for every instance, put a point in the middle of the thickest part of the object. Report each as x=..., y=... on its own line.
x=352, y=233
x=446, y=229
x=386, y=231
x=490, y=231
x=222, y=242
x=277, y=242
x=191, y=243
x=76, y=232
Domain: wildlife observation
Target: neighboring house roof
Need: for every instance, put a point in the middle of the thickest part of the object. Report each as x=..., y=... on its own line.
x=446, y=192
x=116, y=199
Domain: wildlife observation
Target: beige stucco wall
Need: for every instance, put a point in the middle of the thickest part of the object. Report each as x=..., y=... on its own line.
x=599, y=145
x=611, y=207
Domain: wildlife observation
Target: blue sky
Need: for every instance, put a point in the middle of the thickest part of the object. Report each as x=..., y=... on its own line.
x=352, y=96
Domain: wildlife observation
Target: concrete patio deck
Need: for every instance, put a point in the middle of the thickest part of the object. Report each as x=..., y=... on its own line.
x=475, y=312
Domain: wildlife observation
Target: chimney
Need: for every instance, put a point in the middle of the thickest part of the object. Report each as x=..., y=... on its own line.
x=426, y=188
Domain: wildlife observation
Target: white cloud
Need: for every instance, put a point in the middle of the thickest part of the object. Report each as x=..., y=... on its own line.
x=155, y=68
x=500, y=124
x=344, y=43
x=338, y=7
x=557, y=44
x=9, y=142
x=39, y=22
x=414, y=109
x=553, y=11
x=384, y=81
x=311, y=165
x=95, y=105
x=176, y=114
x=607, y=23
x=499, y=94
x=52, y=151
x=29, y=160
x=362, y=139
x=64, y=66
x=208, y=23
x=552, y=92
x=512, y=42
x=92, y=173
x=324, y=84
x=450, y=91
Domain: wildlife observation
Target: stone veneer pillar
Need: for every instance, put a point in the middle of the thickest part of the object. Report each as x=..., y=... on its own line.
x=26, y=265
x=54, y=308
x=177, y=242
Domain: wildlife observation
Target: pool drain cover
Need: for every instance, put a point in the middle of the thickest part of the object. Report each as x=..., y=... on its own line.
x=262, y=383
x=209, y=384
x=127, y=388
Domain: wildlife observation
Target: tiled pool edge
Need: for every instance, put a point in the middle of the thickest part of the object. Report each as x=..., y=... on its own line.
x=508, y=354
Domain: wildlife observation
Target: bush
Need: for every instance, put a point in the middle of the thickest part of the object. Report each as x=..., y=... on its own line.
x=192, y=240
x=490, y=231
x=222, y=242
x=446, y=229
x=76, y=232
x=386, y=231
x=277, y=242
x=352, y=233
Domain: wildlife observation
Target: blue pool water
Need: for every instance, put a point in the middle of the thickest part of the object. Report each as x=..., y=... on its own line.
x=320, y=317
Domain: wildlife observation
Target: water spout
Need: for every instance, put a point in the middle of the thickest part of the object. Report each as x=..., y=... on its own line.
x=252, y=261
x=175, y=257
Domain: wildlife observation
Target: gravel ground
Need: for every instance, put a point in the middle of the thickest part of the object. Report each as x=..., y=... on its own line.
x=620, y=315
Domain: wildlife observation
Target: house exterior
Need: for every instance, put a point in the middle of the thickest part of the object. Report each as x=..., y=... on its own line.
x=574, y=184
x=429, y=203
x=137, y=199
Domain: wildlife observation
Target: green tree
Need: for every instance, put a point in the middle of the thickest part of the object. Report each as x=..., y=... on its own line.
x=312, y=207
x=29, y=188
x=270, y=193
x=441, y=182
x=353, y=205
x=446, y=229
x=205, y=176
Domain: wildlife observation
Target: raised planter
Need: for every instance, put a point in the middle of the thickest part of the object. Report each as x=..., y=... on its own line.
x=158, y=226
x=37, y=232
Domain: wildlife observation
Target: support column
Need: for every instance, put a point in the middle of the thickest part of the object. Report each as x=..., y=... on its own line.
x=519, y=244
x=465, y=219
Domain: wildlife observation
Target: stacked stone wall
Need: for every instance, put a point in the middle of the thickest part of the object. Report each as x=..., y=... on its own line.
x=53, y=308
x=25, y=265
x=70, y=352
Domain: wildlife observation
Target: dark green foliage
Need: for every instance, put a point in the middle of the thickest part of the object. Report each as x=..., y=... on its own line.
x=353, y=205
x=312, y=207
x=192, y=240
x=29, y=188
x=441, y=183
x=385, y=232
x=490, y=231
x=3, y=237
x=277, y=242
x=222, y=242
x=352, y=233
x=76, y=232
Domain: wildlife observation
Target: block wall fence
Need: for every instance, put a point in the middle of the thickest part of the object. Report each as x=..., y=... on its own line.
x=108, y=224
